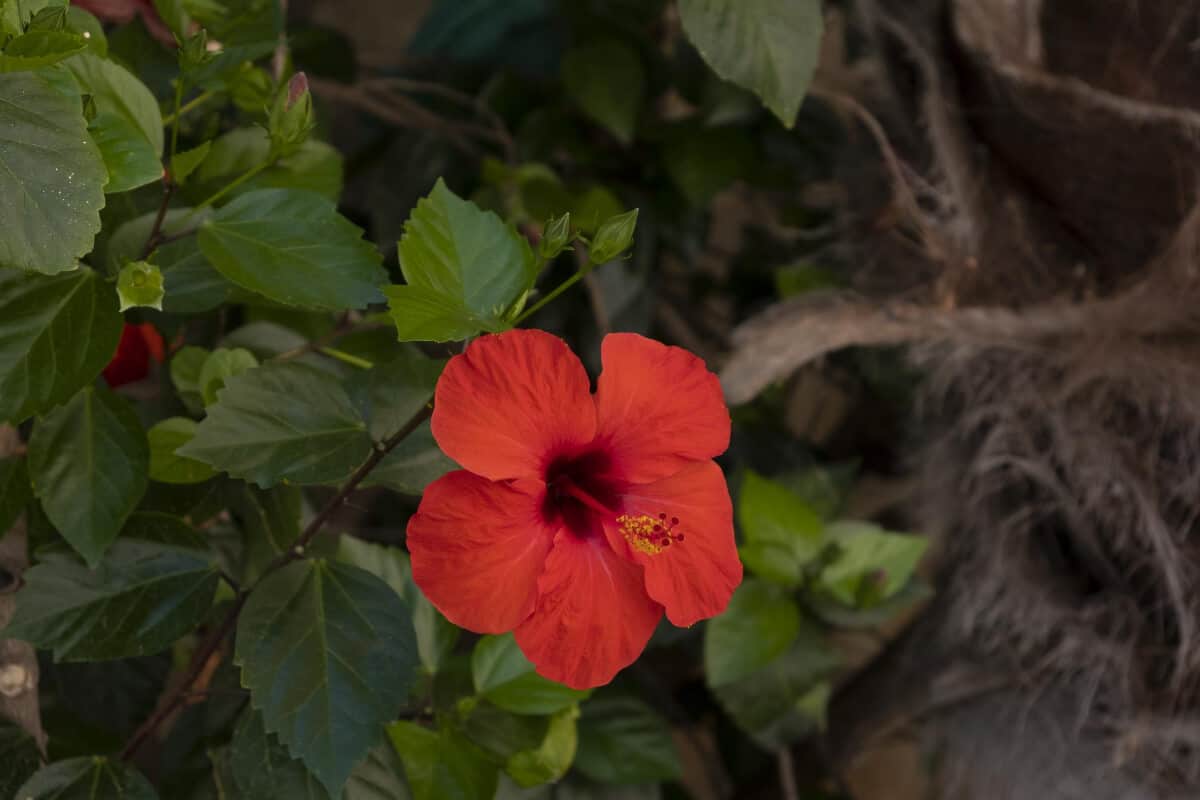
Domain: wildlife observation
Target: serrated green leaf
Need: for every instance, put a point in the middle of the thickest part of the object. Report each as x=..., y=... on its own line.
x=412, y=465
x=872, y=564
x=607, y=81
x=140, y=284
x=128, y=126
x=621, y=740
x=94, y=778
x=19, y=759
x=503, y=675
x=221, y=365
x=186, y=162
x=166, y=466
x=440, y=765
x=328, y=653
x=770, y=47
x=263, y=769
x=88, y=461
x=553, y=757
x=15, y=490
x=759, y=625
x=144, y=596
x=35, y=49
x=783, y=534
x=51, y=178
x=257, y=431
x=293, y=247
x=465, y=270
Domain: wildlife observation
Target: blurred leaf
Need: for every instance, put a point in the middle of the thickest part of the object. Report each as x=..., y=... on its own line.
x=220, y=365
x=607, y=81
x=621, y=740
x=51, y=182
x=553, y=757
x=167, y=466
x=19, y=758
x=872, y=564
x=15, y=490
x=769, y=46
x=760, y=623
x=329, y=627
x=88, y=461
x=441, y=765
x=703, y=161
x=184, y=163
x=783, y=535
x=140, y=284
x=94, y=778
x=293, y=247
x=503, y=675
x=257, y=431
x=466, y=270
x=803, y=277
x=128, y=126
x=144, y=596
x=35, y=49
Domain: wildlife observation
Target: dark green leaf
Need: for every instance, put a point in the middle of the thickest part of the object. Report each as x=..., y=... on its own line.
x=293, y=247
x=379, y=777
x=399, y=389
x=770, y=47
x=550, y=760
x=412, y=465
x=263, y=769
x=317, y=167
x=760, y=623
x=440, y=765
x=499, y=733
x=466, y=270
x=88, y=461
x=607, y=81
x=94, y=778
x=270, y=519
x=36, y=49
x=128, y=126
x=503, y=675
x=145, y=595
x=621, y=740
x=222, y=364
x=192, y=285
x=165, y=464
x=257, y=430
x=51, y=181
x=112, y=696
x=15, y=490
x=19, y=758
x=185, y=374
x=328, y=654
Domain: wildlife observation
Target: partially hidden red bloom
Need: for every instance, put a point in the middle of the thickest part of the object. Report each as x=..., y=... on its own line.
x=578, y=518
x=138, y=346
x=122, y=11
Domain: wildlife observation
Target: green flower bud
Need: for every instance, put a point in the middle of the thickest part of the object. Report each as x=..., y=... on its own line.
x=556, y=234
x=614, y=237
x=291, y=118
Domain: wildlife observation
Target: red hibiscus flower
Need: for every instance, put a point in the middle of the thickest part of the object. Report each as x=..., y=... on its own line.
x=122, y=11
x=578, y=518
x=139, y=344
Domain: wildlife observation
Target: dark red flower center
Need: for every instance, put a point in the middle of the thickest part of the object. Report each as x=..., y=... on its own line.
x=581, y=490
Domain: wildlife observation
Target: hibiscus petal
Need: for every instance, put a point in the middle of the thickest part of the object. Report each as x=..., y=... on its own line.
x=511, y=403
x=690, y=561
x=658, y=408
x=593, y=617
x=477, y=549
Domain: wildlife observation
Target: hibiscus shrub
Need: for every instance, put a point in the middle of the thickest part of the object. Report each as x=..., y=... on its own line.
x=289, y=512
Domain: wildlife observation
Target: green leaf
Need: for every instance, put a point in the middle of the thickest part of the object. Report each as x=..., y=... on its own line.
x=499, y=733
x=15, y=490
x=704, y=161
x=51, y=180
x=608, y=83
x=760, y=624
x=94, y=778
x=19, y=758
x=783, y=534
x=872, y=564
x=465, y=270
x=613, y=237
x=379, y=777
x=86, y=25
x=436, y=636
x=140, y=284
x=328, y=654
x=553, y=757
x=293, y=247
x=259, y=432
x=621, y=740
x=191, y=284
x=317, y=167
x=770, y=47
x=412, y=465
x=440, y=765
x=185, y=375
x=88, y=461
x=184, y=163
x=36, y=49
x=128, y=126
x=165, y=465
x=144, y=596
x=263, y=769
x=504, y=676
x=220, y=365
x=399, y=389
x=270, y=519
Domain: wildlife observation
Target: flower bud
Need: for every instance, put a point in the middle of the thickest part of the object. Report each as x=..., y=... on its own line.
x=291, y=117
x=613, y=237
x=555, y=235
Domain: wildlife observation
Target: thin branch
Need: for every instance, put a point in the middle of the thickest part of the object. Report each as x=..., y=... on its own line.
x=787, y=774
x=155, y=236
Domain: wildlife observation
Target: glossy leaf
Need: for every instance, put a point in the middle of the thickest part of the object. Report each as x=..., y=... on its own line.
x=293, y=247
x=51, y=180
x=328, y=653
x=166, y=465
x=88, y=461
x=621, y=740
x=128, y=126
x=440, y=765
x=608, y=83
x=257, y=431
x=94, y=778
x=770, y=47
x=504, y=676
x=144, y=596
x=759, y=625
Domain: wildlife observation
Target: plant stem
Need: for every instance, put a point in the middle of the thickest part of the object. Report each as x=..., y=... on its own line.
x=212, y=643
x=198, y=100
x=155, y=235
x=342, y=355
x=175, y=118
x=226, y=189
x=562, y=287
